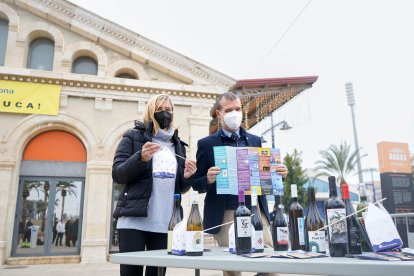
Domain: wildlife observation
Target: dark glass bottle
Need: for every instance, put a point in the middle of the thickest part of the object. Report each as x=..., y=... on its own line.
x=296, y=222
x=335, y=210
x=175, y=218
x=257, y=226
x=361, y=215
x=242, y=227
x=280, y=233
x=354, y=242
x=194, y=241
x=315, y=238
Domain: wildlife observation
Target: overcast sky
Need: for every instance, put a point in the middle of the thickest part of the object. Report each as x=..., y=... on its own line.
x=369, y=43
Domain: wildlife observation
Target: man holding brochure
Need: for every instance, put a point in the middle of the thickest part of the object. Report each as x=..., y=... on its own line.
x=219, y=208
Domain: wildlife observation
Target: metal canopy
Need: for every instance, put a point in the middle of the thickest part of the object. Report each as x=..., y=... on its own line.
x=261, y=97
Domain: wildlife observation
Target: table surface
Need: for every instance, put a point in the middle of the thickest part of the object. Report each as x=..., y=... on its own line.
x=219, y=260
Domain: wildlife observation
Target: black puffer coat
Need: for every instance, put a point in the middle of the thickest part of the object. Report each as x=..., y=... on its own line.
x=129, y=169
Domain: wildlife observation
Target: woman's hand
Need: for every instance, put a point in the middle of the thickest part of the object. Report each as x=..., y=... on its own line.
x=148, y=150
x=212, y=174
x=190, y=168
x=282, y=170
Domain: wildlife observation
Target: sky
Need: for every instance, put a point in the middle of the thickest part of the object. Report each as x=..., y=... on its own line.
x=369, y=43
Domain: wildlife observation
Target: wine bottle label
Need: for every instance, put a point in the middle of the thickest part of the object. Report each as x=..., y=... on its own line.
x=244, y=227
x=194, y=241
x=257, y=240
x=301, y=231
x=282, y=234
x=169, y=241
x=355, y=241
x=337, y=230
x=317, y=241
x=294, y=190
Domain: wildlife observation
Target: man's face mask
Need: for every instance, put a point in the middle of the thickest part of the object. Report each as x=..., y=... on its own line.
x=163, y=118
x=233, y=119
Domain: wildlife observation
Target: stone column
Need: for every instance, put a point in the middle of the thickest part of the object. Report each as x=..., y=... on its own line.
x=199, y=122
x=95, y=240
x=7, y=169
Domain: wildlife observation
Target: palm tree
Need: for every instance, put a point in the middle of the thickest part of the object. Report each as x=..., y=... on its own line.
x=27, y=188
x=65, y=188
x=338, y=161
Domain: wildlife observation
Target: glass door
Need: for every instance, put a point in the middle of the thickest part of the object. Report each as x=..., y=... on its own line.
x=43, y=203
x=66, y=217
x=32, y=220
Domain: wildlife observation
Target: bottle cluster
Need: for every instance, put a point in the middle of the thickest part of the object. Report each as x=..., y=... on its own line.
x=340, y=235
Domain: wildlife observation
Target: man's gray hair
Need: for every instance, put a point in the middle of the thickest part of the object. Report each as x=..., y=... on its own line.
x=228, y=96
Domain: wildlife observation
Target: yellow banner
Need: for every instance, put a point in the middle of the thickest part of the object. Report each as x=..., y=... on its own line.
x=31, y=98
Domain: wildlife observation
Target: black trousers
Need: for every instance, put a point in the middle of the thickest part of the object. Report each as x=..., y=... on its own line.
x=59, y=239
x=135, y=240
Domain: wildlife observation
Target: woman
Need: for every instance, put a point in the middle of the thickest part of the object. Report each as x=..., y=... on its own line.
x=146, y=204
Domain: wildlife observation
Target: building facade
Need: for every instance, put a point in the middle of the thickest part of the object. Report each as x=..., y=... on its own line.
x=58, y=167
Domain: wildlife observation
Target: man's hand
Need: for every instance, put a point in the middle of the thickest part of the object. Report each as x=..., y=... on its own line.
x=211, y=174
x=282, y=170
x=148, y=150
x=190, y=168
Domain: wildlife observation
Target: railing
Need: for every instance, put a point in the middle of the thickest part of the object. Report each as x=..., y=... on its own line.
x=410, y=236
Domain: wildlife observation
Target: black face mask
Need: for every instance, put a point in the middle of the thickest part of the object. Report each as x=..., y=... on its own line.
x=163, y=118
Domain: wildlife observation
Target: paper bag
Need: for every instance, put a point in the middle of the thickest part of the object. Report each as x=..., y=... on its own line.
x=164, y=164
x=381, y=230
x=232, y=240
x=178, y=239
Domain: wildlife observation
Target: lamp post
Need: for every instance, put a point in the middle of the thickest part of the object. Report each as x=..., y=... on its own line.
x=351, y=102
x=285, y=126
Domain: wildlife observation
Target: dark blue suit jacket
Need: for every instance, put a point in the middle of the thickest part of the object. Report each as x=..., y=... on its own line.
x=214, y=204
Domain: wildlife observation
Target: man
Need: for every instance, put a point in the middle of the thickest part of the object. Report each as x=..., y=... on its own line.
x=60, y=229
x=219, y=209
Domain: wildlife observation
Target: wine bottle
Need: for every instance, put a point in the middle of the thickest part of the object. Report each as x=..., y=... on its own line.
x=296, y=222
x=361, y=215
x=175, y=218
x=242, y=227
x=280, y=233
x=257, y=225
x=194, y=241
x=315, y=238
x=354, y=242
x=335, y=210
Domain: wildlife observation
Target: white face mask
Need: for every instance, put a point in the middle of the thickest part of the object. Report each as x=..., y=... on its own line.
x=233, y=119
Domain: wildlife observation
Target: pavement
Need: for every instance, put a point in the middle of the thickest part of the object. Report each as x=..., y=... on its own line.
x=106, y=269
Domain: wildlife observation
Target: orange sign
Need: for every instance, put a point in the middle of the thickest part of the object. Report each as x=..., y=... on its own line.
x=394, y=157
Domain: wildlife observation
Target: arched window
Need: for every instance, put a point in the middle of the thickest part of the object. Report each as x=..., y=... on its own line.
x=85, y=65
x=4, y=31
x=51, y=188
x=41, y=53
x=126, y=76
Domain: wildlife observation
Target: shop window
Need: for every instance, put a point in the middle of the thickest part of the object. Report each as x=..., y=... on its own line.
x=4, y=31
x=41, y=53
x=51, y=191
x=114, y=235
x=85, y=65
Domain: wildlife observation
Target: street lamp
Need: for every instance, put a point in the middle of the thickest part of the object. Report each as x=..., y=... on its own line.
x=285, y=126
x=351, y=102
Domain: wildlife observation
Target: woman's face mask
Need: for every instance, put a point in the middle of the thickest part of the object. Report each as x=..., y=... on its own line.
x=233, y=119
x=163, y=118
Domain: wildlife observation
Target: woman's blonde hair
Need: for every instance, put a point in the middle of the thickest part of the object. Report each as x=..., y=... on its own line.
x=152, y=107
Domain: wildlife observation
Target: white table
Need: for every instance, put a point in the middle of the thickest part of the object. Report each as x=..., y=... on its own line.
x=218, y=260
